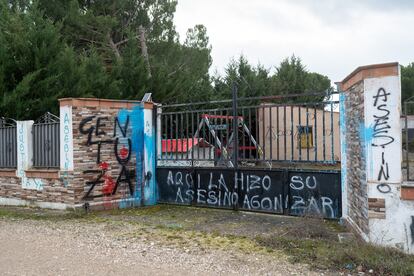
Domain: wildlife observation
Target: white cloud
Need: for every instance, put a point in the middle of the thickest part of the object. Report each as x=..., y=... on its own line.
x=332, y=37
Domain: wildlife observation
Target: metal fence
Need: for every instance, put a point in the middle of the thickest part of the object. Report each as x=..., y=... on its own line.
x=407, y=123
x=8, y=143
x=258, y=131
x=46, y=142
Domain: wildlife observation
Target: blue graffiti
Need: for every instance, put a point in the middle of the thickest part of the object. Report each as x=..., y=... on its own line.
x=136, y=117
x=150, y=189
x=342, y=119
x=367, y=136
x=367, y=133
x=132, y=141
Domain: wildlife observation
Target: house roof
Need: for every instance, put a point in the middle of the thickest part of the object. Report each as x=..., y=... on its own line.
x=182, y=145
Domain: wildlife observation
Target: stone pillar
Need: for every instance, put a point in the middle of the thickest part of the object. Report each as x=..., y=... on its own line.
x=25, y=156
x=372, y=157
x=24, y=147
x=66, y=143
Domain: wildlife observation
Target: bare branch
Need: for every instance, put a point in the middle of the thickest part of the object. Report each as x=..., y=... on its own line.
x=90, y=40
x=125, y=41
x=176, y=71
x=113, y=46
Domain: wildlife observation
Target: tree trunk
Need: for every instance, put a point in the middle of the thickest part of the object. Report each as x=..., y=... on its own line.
x=113, y=46
x=144, y=49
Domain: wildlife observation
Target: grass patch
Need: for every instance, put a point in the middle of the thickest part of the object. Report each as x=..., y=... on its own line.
x=353, y=256
x=38, y=214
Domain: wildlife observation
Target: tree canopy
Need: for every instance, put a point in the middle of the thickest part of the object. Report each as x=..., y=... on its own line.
x=290, y=77
x=407, y=81
x=51, y=49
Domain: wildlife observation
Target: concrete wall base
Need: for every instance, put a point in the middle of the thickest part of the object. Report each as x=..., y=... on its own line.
x=21, y=202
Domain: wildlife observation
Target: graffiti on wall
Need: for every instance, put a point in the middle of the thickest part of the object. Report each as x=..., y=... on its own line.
x=66, y=149
x=119, y=145
x=274, y=134
x=149, y=159
x=382, y=133
x=380, y=130
x=412, y=230
x=23, y=157
x=297, y=193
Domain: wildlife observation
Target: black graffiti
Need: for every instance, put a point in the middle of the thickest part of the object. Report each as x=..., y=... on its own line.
x=412, y=229
x=124, y=129
x=381, y=125
x=123, y=155
x=94, y=129
x=93, y=183
x=89, y=131
x=384, y=170
x=97, y=129
x=274, y=134
x=254, y=190
x=123, y=158
x=380, y=130
x=124, y=177
x=381, y=94
x=122, y=146
x=384, y=188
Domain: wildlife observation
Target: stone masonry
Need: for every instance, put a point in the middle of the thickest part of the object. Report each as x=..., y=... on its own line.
x=355, y=159
x=104, y=166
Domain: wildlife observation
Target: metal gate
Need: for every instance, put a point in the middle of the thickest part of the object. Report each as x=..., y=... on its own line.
x=8, y=144
x=277, y=154
x=46, y=142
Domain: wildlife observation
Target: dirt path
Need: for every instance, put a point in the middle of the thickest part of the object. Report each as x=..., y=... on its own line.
x=38, y=247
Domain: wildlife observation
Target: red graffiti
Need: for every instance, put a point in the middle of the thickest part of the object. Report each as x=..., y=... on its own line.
x=104, y=166
x=124, y=152
x=109, y=185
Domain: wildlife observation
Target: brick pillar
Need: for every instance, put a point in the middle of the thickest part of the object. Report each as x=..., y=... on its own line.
x=372, y=157
x=113, y=157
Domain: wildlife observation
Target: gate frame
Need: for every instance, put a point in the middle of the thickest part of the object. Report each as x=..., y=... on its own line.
x=9, y=124
x=235, y=160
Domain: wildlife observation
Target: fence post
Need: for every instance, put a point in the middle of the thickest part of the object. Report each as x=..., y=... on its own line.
x=407, y=148
x=150, y=155
x=158, y=112
x=235, y=128
x=236, y=140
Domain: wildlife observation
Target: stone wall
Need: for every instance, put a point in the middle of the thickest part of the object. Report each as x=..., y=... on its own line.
x=357, y=204
x=49, y=192
x=96, y=166
x=376, y=203
x=107, y=159
x=25, y=185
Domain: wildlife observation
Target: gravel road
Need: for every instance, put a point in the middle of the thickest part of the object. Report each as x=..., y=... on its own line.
x=37, y=247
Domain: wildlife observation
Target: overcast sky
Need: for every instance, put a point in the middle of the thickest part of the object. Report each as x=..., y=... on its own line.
x=332, y=37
